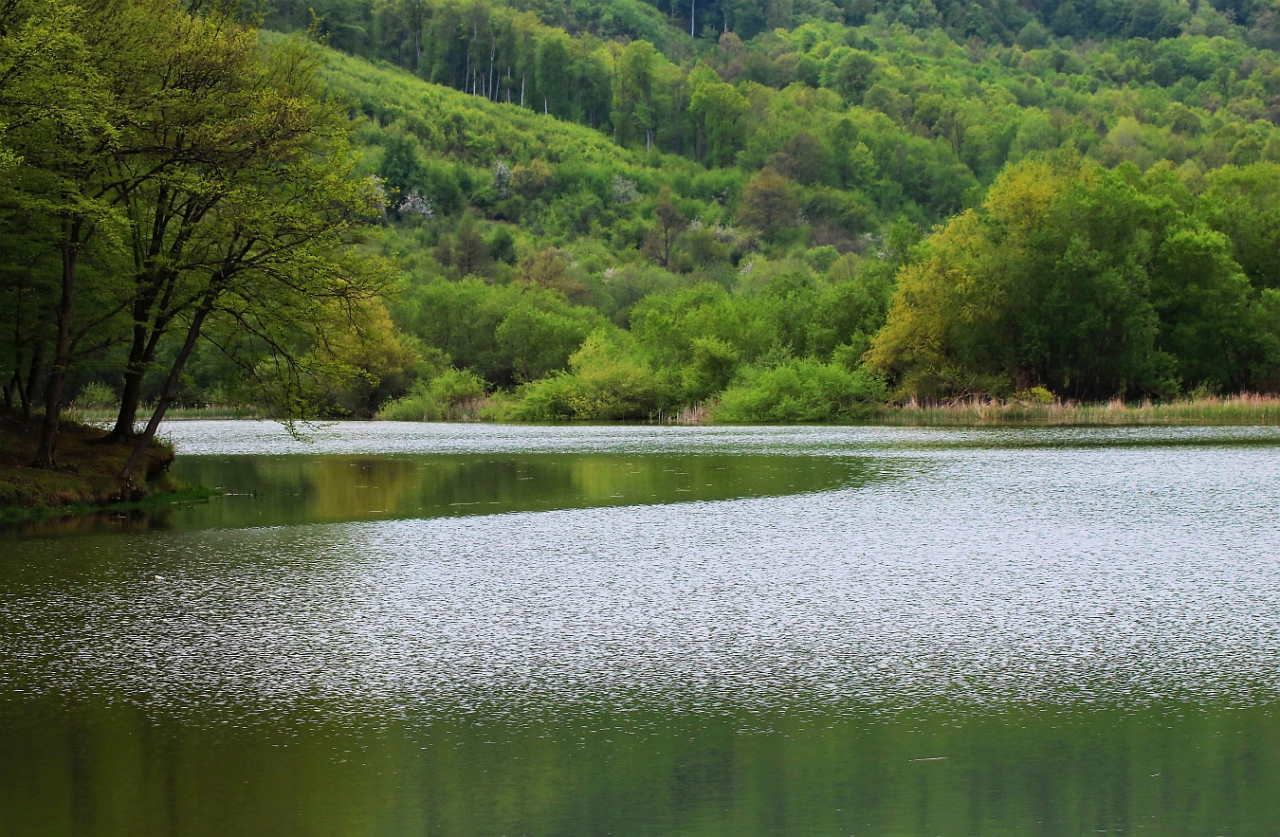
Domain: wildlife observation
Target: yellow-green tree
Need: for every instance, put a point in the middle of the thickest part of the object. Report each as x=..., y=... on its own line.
x=1085, y=281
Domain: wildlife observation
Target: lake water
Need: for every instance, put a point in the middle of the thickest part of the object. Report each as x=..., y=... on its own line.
x=396, y=629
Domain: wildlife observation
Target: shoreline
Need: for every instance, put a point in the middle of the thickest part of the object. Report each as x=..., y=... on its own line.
x=86, y=481
x=178, y=495
x=1243, y=409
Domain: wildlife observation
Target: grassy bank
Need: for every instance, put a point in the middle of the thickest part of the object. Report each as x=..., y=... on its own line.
x=1243, y=409
x=87, y=477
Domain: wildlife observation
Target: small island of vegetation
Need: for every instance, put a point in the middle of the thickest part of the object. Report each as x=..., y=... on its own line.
x=931, y=213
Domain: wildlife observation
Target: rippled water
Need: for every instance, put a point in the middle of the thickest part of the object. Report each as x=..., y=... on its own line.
x=661, y=630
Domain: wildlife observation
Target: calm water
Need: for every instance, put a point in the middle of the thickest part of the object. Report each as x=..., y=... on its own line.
x=394, y=629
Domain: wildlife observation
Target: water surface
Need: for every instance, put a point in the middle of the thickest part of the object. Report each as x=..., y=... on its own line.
x=416, y=629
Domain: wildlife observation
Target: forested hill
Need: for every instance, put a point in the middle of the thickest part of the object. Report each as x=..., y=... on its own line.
x=786, y=211
x=983, y=84
x=740, y=204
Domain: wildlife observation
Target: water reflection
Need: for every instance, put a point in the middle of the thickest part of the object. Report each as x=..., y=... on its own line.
x=305, y=489
x=838, y=632
x=287, y=490
x=102, y=770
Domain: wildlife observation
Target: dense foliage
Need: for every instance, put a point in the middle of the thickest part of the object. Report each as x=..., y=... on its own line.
x=167, y=182
x=779, y=212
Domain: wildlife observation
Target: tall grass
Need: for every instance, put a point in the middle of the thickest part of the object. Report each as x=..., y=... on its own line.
x=98, y=415
x=1242, y=409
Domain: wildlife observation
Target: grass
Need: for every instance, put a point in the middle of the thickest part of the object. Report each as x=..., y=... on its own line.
x=104, y=414
x=86, y=478
x=1242, y=409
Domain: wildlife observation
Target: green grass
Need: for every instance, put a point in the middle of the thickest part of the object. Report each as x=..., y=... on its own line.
x=107, y=415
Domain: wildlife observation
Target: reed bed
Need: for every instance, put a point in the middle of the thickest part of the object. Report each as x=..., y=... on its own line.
x=1241, y=409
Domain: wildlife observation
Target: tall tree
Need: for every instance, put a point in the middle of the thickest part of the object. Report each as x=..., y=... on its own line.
x=58, y=120
x=272, y=252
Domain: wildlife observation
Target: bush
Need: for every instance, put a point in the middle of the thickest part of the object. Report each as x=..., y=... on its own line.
x=96, y=396
x=714, y=362
x=605, y=383
x=454, y=394
x=800, y=390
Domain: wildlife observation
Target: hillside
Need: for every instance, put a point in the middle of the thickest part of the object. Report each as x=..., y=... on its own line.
x=616, y=210
x=777, y=267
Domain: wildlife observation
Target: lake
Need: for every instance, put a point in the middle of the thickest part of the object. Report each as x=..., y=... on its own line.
x=408, y=629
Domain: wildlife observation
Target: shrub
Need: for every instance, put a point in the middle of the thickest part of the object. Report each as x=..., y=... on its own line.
x=96, y=396
x=714, y=362
x=605, y=383
x=800, y=390
x=451, y=395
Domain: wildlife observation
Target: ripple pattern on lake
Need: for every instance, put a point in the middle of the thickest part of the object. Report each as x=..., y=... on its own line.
x=979, y=577
x=268, y=438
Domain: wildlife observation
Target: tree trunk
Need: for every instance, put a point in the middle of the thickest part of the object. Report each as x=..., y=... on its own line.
x=46, y=453
x=131, y=392
x=127, y=417
x=27, y=393
x=493, y=53
x=147, y=333
x=144, y=440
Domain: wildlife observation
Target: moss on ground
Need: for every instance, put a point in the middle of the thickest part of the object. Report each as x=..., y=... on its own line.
x=87, y=475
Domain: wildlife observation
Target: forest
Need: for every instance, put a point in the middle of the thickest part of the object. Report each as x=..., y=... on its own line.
x=785, y=211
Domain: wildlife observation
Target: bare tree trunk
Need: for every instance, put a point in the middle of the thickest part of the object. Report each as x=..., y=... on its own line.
x=127, y=416
x=46, y=452
x=693, y=6
x=493, y=53
x=522, y=77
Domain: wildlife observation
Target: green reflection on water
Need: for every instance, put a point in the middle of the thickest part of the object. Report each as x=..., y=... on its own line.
x=296, y=489
x=116, y=771
x=306, y=489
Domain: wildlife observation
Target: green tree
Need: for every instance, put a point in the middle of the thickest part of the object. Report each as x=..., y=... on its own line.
x=1048, y=284
x=719, y=111
x=401, y=167
x=538, y=341
x=1243, y=203
x=58, y=120
x=769, y=204
x=632, y=93
x=669, y=223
